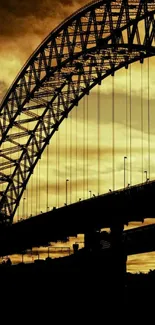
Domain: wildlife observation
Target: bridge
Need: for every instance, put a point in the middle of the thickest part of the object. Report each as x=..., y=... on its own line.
x=90, y=215
x=54, y=161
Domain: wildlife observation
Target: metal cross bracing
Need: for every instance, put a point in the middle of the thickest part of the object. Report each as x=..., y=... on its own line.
x=92, y=44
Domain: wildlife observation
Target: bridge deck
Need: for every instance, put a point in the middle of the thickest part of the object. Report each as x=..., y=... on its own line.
x=131, y=204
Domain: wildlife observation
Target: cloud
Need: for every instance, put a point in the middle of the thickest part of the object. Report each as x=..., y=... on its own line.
x=23, y=26
x=141, y=262
x=32, y=16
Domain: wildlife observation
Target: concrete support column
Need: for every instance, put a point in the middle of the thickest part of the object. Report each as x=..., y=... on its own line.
x=92, y=241
x=118, y=256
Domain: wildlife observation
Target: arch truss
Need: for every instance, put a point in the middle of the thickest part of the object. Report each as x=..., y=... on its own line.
x=92, y=44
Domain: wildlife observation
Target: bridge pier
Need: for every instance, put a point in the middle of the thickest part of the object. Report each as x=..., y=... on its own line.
x=118, y=256
x=92, y=240
x=113, y=261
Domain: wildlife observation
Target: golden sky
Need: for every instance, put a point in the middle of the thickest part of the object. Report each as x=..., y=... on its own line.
x=23, y=25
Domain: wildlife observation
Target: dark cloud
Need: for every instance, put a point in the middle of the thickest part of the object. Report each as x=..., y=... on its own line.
x=20, y=16
x=23, y=26
x=38, y=8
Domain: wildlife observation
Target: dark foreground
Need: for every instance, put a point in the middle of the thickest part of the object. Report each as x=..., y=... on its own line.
x=80, y=281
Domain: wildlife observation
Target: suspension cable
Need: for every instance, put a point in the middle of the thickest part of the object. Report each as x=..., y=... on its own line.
x=23, y=212
x=127, y=117
x=130, y=130
x=113, y=132
x=142, y=129
x=39, y=186
x=71, y=158
x=66, y=155
x=149, y=119
x=39, y=163
x=98, y=121
x=47, y=177
x=18, y=206
x=31, y=194
x=27, y=202
x=58, y=167
x=87, y=146
x=126, y=114
x=83, y=147
x=76, y=152
x=36, y=191
x=27, y=188
x=57, y=170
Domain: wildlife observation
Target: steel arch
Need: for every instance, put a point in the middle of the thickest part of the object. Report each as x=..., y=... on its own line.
x=92, y=44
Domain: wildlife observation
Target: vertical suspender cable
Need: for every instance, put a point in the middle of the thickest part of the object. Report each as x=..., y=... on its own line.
x=58, y=156
x=113, y=132
x=142, y=135
x=39, y=163
x=127, y=116
x=2, y=185
x=18, y=209
x=23, y=208
x=58, y=159
x=11, y=194
x=126, y=113
x=27, y=196
x=76, y=130
x=149, y=119
x=70, y=158
x=36, y=189
x=98, y=122
x=47, y=176
x=32, y=194
x=87, y=147
x=56, y=168
x=66, y=151
x=83, y=147
x=130, y=131
x=39, y=186
x=27, y=192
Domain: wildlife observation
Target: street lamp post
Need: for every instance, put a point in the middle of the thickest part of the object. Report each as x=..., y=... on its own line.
x=124, y=170
x=67, y=180
x=145, y=171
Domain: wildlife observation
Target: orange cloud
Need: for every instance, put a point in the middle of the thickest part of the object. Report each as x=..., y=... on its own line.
x=25, y=25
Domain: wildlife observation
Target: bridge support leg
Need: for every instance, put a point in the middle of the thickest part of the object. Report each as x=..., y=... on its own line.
x=92, y=240
x=118, y=256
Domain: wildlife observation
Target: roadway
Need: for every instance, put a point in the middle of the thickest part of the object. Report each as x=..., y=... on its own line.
x=131, y=204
